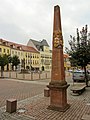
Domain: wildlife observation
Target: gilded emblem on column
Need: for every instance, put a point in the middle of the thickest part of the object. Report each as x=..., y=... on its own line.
x=57, y=37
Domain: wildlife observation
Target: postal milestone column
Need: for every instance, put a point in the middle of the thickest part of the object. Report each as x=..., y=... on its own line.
x=58, y=86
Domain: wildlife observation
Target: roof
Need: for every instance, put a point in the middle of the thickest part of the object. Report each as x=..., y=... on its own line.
x=44, y=43
x=35, y=42
x=66, y=55
x=40, y=44
x=29, y=49
x=17, y=46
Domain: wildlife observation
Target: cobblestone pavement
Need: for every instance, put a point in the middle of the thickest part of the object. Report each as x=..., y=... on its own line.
x=37, y=107
x=33, y=104
x=19, y=89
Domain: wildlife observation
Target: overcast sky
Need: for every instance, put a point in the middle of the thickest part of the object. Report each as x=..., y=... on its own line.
x=21, y=20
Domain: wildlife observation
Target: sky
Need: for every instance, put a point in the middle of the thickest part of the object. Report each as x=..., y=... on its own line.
x=21, y=20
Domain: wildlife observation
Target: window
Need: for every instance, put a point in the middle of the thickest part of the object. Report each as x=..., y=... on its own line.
x=37, y=56
x=37, y=62
x=21, y=53
x=4, y=50
x=12, y=52
x=26, y=54
x=0, y=49
x=18, y=53
x=26, y=61
x=7, y=50
x=4, y=43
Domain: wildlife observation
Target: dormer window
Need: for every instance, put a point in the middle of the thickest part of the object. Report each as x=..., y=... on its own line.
x=19, y=47
x=13, y=46
x=0, y=41
x=4, y=43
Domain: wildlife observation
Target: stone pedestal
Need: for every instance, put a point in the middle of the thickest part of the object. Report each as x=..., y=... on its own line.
x=58, y=96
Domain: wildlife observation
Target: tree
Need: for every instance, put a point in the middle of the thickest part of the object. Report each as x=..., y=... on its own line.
x=3, y=61
x=9, y=62
x=15, y=61
x=80, y=50
x=10, y=59
x=23, y=63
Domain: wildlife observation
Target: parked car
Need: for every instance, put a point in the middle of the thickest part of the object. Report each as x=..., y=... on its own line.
x=79, y=76
x=88, y=74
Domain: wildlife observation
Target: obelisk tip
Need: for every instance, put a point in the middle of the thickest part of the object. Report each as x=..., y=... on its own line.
x=56, y=7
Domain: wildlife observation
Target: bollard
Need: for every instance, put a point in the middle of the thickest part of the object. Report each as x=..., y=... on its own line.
x=46, y=92
x=11, y=105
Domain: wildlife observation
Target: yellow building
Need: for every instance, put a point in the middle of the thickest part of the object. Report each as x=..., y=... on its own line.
x=4, y=47
x=67, y=64
x=31, y=57
x=46, y=58
x=35, y=56
x=45, y=53
x=27, y=55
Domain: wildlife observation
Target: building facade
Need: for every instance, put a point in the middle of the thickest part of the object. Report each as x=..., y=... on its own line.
x=29, y=57
x=36, y=55
x=67, y=64
x=45, y=53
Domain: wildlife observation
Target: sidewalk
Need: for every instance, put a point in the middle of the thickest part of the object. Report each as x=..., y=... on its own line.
x=35, y=108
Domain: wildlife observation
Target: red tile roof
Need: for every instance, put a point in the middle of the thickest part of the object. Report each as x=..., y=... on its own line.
x=66, y=55
x=17, y=46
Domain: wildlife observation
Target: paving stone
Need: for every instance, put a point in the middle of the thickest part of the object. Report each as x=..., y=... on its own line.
x=36, y=104
x=86, y=117
x=14, y=116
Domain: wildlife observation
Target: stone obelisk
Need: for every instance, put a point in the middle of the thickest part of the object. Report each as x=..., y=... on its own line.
x=58, y=86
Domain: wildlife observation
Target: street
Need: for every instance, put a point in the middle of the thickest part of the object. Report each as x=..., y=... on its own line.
x=20, y=90
x=31, y=99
